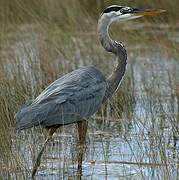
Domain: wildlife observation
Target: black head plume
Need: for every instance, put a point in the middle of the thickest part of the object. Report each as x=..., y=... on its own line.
x=113, y=8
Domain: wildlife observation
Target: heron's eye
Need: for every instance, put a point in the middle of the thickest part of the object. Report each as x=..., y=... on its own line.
x=126, y=10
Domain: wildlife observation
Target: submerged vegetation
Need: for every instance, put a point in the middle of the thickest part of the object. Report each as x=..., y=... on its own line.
x=136, y=134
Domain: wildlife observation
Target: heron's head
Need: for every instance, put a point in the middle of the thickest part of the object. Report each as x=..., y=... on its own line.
x=124, y=13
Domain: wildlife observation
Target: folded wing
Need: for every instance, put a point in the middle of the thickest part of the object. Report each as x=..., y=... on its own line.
x=69, y=99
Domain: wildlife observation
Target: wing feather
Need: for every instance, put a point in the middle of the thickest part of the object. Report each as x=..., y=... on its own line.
x=67, y=100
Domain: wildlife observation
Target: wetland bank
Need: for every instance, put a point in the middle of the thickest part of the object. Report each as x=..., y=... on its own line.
x=134, y=136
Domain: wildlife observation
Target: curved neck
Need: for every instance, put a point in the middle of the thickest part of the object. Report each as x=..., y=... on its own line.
x=116, y=48
x=103, y=27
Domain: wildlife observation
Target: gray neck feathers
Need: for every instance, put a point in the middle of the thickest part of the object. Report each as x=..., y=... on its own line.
x=116, y=48
x=103, y=26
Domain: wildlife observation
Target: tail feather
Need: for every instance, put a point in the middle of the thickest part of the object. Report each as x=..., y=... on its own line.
x=22, y=121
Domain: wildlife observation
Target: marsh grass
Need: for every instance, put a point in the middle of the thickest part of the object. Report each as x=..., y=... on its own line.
x=42, y=40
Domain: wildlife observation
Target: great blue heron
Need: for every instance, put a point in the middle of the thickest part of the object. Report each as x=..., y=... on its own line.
x=79, y=94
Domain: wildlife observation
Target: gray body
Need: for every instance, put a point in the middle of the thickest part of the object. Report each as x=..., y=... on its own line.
x=79, y=94
x=69, y=99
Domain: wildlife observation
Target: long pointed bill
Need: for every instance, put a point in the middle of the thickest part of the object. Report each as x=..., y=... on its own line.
x=148, y=12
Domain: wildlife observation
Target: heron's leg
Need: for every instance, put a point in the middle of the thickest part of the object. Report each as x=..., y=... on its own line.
x=82, y=129
x=38, y=159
